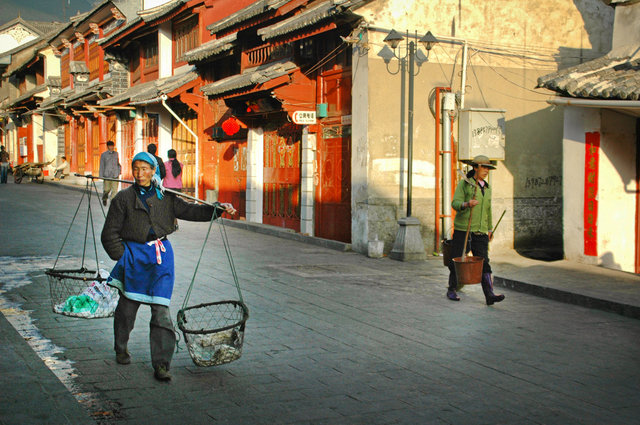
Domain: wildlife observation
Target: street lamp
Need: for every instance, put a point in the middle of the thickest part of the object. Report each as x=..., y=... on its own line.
x=408, y=244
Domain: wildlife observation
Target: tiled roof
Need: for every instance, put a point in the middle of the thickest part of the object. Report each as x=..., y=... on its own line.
x=613, y=76
x=309, y=17
x=92, y=91
x=151, y=90
x=148, y=15
x=254, y=9
x=211, y=48
x=26, y=95
x=251, y=77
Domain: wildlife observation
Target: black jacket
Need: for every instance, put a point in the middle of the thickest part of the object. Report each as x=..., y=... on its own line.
x=161, y=167
x=129, y=220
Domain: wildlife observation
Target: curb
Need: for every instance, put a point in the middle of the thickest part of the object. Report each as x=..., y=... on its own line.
x=567, y=297
x=280, y=232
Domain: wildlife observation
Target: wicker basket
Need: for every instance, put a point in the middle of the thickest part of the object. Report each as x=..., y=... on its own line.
x=214, y=332
x=81, y=293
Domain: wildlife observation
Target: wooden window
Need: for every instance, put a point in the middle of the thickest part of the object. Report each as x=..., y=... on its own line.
x=150, y=53
x=39, y=70
x=94, y=60
x=185, y=37
x=135, y=64
x=64, y=68
x=78, y=53
x=149, y=63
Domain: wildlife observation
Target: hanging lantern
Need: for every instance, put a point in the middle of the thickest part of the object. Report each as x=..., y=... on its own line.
x=230, y=126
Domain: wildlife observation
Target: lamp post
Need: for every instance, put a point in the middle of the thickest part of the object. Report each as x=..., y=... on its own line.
x=408, y=244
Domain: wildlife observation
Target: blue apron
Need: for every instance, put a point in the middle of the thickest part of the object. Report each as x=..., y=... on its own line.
x=145, y=272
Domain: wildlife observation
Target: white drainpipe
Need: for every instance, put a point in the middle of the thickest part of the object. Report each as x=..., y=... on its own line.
x=163, y=98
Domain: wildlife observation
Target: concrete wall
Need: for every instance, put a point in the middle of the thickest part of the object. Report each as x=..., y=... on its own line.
x=617, y=192
x=616, y=187
x=626, y=31
x=520, y=41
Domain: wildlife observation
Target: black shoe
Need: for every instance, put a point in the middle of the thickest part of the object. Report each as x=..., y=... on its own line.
x=162, y=374
x=491, y=299
x=104, y=201
x=452, y=295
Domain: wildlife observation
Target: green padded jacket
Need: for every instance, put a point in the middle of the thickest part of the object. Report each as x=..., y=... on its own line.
x=481, y=217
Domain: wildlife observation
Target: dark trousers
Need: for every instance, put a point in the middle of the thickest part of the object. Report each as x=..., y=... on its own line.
x=162, y=335
x=478, y=244
x=4, y=172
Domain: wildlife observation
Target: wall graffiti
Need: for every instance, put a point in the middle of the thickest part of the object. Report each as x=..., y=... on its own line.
x=534, y=182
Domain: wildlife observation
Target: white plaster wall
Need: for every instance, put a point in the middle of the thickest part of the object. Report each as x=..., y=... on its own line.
x=510, y=44
x=360, y=150
x=617, y=192
x=37, y=137
x=577, y=122
x=165, y=137
x=51, y=139
x=626, y=30
x=165, y=50
x=307, y=188
x=581, y=28
x=148, y=4
x=14, y=37
x=255, y=175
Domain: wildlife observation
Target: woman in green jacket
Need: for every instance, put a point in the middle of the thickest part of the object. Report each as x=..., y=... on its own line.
x=474, y=198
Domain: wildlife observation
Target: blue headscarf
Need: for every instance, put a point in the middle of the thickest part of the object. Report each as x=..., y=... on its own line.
x=156, y=181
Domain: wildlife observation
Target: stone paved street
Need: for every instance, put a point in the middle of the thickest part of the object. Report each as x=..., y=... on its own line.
x=333, y=338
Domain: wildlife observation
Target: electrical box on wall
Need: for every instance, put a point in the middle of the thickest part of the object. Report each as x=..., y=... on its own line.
x=481, y=132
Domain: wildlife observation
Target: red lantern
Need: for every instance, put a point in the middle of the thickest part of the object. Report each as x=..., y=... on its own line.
x=230, y=126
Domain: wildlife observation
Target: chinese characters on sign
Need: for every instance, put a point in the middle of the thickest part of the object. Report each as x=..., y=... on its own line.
x=592, y=148
x=304, y=117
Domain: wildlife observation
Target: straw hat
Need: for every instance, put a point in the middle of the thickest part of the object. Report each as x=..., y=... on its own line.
x=481, y=160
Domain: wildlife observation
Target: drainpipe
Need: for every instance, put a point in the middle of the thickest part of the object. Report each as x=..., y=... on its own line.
x=463, y=79
x=448, y=108
x=163, y=98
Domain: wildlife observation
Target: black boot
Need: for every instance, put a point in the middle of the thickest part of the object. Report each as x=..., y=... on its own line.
x=451, y=291
x=487, y=288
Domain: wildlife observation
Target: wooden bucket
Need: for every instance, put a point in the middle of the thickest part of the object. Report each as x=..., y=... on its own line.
x=468, y=270
x=447, y=246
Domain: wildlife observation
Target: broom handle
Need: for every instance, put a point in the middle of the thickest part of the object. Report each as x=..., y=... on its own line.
x=466, y=237
x=499, y=220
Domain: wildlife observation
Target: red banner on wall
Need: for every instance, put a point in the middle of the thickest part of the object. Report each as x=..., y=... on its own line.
x=591, y=163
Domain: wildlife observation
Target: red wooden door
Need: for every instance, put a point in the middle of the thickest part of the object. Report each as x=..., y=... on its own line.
x=81, y=147
x=94, y=157
x=128, y=148
x=281, y=190
x=333, y=160
x=23, y=145
x=233, y=175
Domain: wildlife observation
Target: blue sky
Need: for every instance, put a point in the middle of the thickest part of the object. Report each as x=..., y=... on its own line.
x=42, y=10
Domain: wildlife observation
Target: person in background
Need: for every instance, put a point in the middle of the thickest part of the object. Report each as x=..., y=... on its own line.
x=4, y=165
x=109, y=168
x=152, y=149
x=173, y=179
x=62, y=170
x=477, y=198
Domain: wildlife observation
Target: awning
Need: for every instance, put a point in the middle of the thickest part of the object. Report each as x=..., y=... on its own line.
x=144, y=17
x=613, y=76
x=151, y=91
x=629, y=107
x=27, y=95
x=91, y=93
x=310, y=17
x=252, y=78
x=211, y=48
